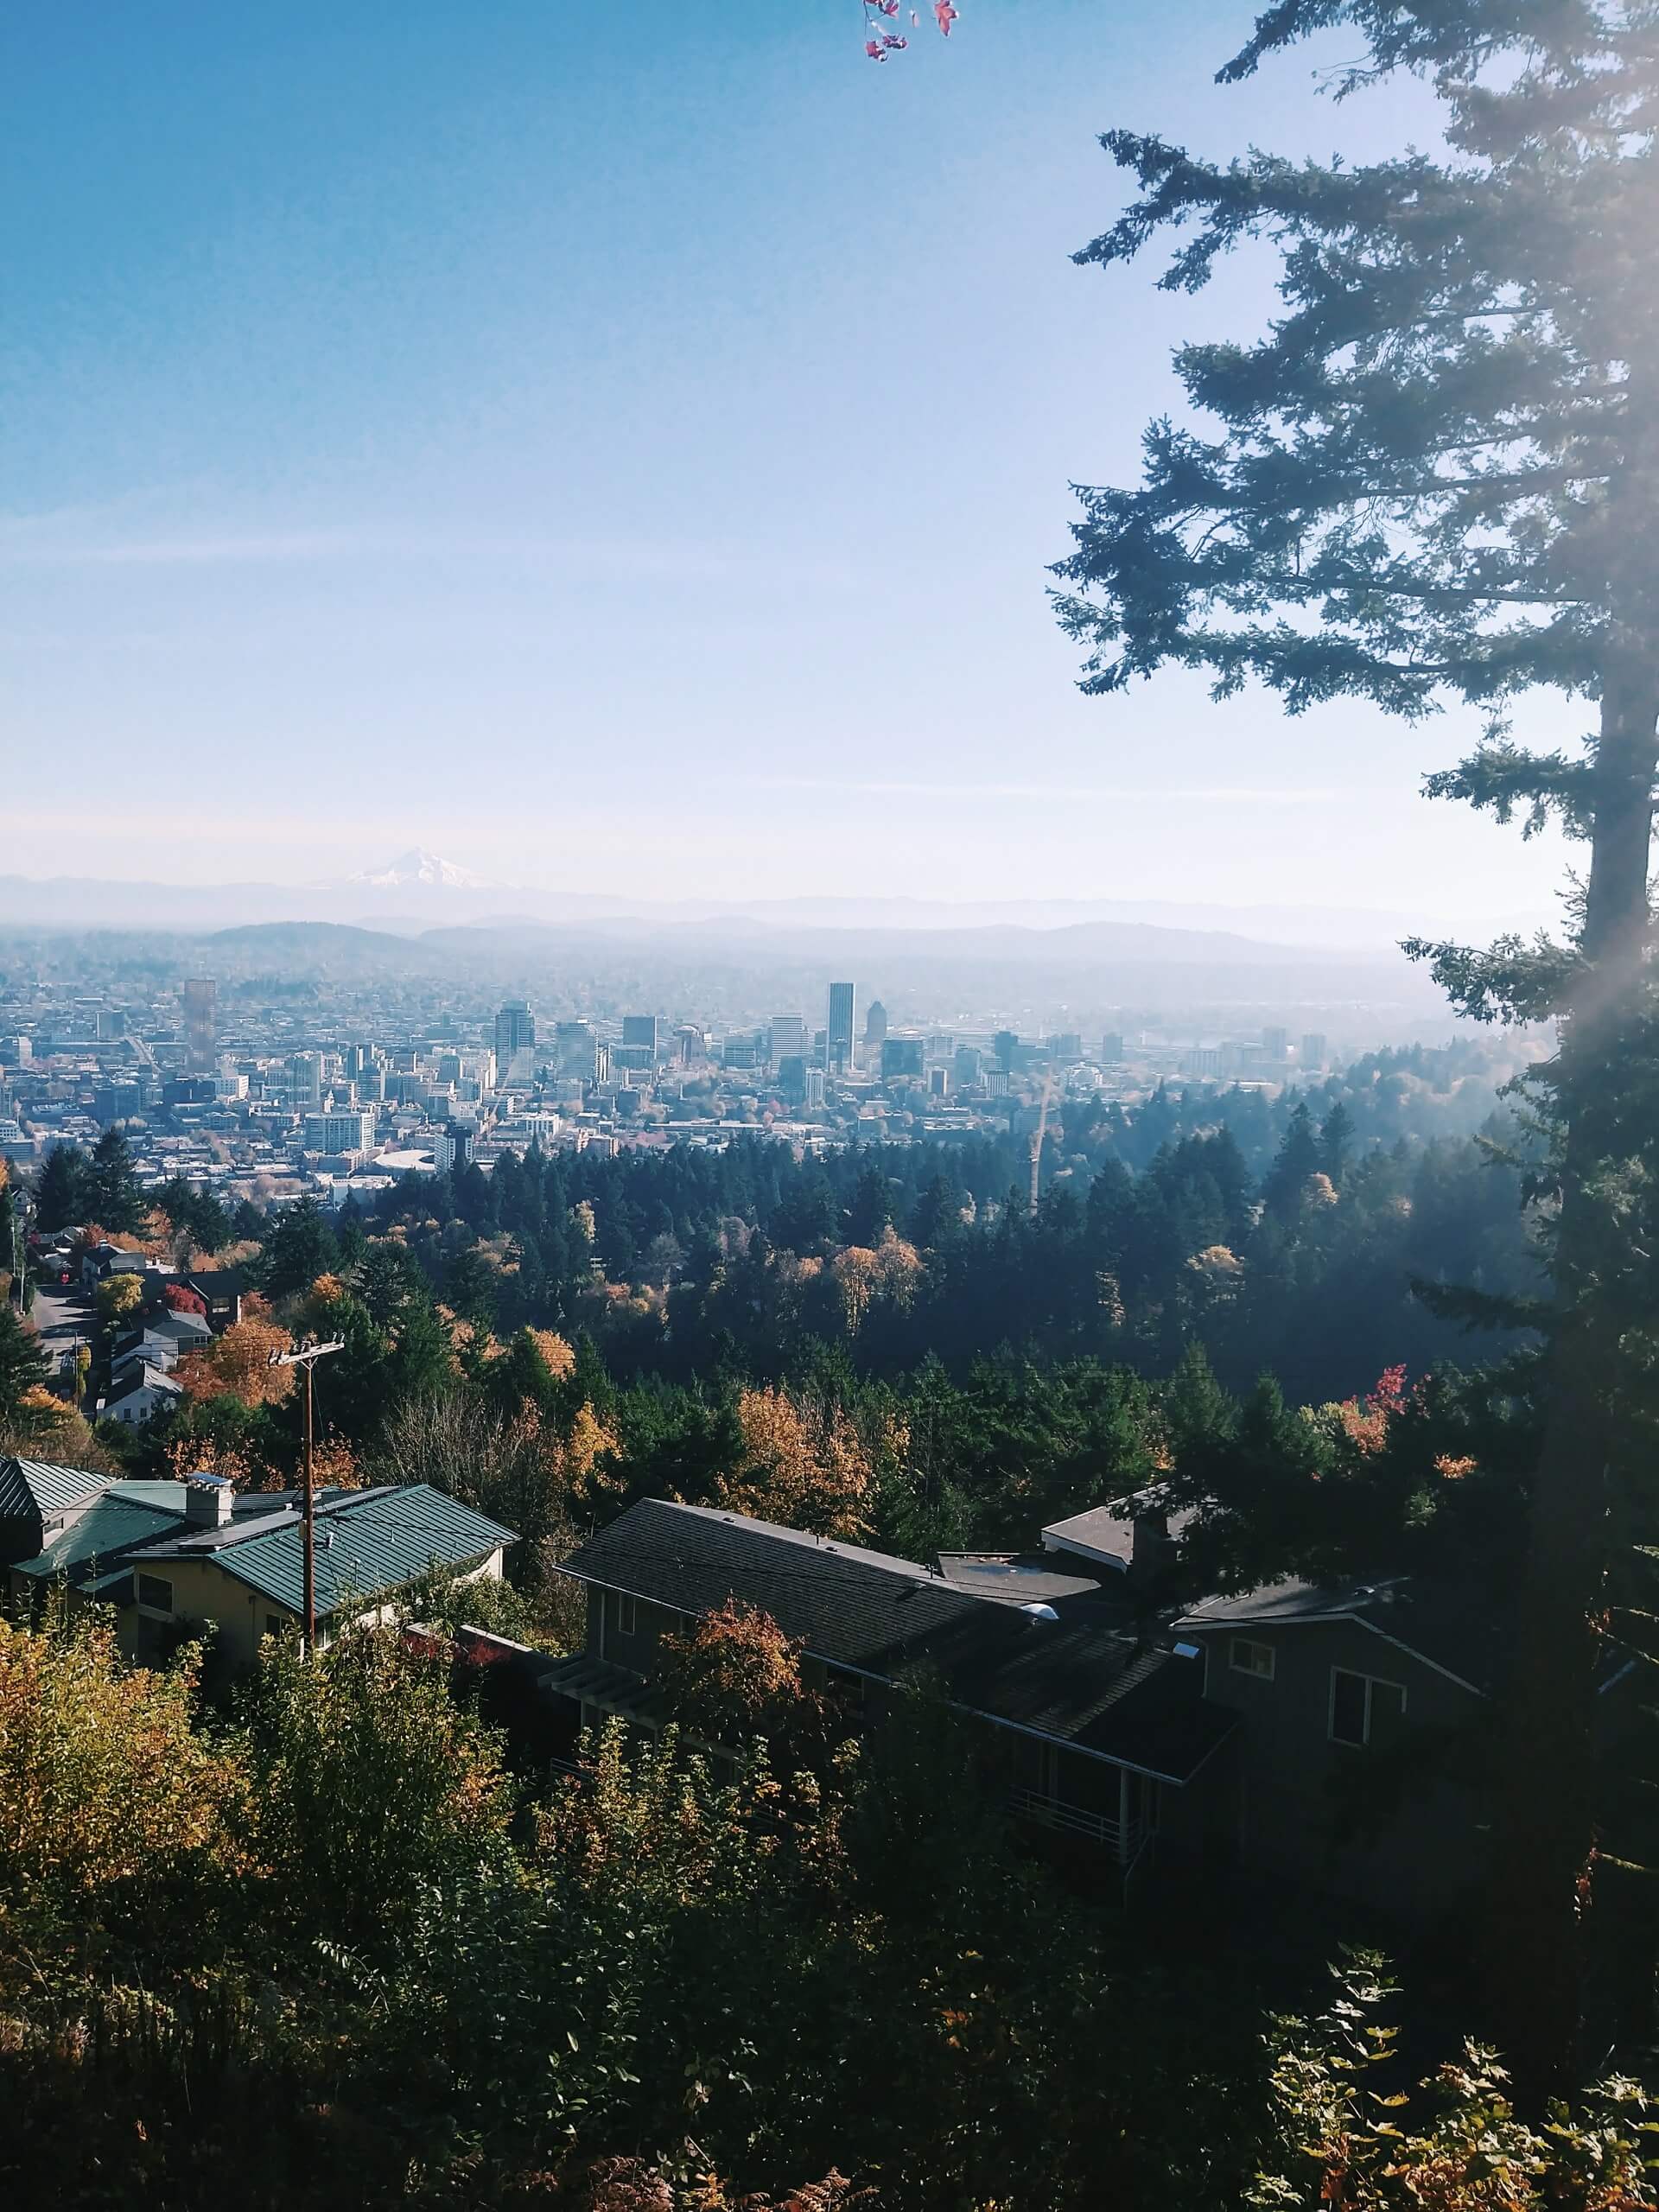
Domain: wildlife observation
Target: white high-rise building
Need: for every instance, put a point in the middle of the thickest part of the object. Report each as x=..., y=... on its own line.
x=788, y=1038
x=348, y=1132
x=305, y=1079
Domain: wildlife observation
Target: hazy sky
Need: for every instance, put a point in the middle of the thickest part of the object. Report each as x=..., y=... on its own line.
x=620, y=447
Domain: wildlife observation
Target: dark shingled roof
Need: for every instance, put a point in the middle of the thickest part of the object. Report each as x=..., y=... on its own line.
x=1448, y=1629
x=857, y=1608
x=1077, y=1682
x=1107, y=1532
x=1139, y=1704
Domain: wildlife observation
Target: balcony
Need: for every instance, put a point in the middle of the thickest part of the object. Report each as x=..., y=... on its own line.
x=1122, y=1841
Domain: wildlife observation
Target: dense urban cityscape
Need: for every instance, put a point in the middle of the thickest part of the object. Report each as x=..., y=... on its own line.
x=897, y=1453
x=261, y=1103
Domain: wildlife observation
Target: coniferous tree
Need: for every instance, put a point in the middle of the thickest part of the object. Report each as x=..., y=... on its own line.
x=116, y=1200
x=1336, y=1141
x=1437, y=476
x=299, y=1247
x=63, y=1194
x=872, y=1207
x=23, y=1363
x=1298, y=1159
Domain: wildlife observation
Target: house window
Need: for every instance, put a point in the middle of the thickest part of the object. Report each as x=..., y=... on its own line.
x=628, y=1613
x=274, y=1623
x=155, y=1593
x=1364, y=1710
x=1245, y=1657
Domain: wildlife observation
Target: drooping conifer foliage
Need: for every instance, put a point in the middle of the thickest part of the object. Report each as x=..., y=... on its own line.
x=1437, y=476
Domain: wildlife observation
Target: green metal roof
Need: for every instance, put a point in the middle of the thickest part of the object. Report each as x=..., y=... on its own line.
x=170, y=1494
x=100, y=1539
x=368, y=1543
x=31, y=1487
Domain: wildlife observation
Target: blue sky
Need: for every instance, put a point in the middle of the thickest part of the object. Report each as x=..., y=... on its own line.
x=620, y=447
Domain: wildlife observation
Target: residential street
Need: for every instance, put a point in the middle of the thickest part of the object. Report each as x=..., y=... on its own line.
x=64, y=1318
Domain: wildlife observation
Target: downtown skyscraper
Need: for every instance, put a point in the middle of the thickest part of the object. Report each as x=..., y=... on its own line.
x=839, y=1029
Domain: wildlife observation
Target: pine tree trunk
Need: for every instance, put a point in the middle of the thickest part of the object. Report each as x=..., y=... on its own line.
x=1546, y=1836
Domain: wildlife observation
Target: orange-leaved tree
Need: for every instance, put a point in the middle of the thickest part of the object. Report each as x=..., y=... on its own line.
x=238, y=1364
x=734, y=1676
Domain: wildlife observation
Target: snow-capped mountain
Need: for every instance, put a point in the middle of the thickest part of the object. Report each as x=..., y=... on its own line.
x=419, y=867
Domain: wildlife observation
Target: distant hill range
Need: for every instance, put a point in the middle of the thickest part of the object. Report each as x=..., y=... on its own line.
x=420, y=891
x=726, y=965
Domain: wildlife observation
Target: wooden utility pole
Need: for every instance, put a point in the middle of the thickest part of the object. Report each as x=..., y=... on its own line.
x=306, y=1354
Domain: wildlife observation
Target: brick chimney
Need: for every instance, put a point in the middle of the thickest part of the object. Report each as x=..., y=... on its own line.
x=208, y=1500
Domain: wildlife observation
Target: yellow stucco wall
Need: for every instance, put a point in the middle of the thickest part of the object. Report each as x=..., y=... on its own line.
x=203, y=1592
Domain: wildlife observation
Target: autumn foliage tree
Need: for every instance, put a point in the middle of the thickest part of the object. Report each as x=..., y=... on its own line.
x=119, y=1297
x=733, y=1676
x=112, y=1808
x=806, y=1464
x=237, y=1363
x=1348, y=2133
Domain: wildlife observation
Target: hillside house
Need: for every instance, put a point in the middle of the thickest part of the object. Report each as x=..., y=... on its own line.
x=1323, y=1735
x=1091, y=1733
x=140, y=1392
x=221, y=1290
x=1362, y=1709
x=169, y=1554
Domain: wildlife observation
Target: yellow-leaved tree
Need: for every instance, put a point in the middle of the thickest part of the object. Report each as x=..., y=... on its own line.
x=112, y=1810
x=804, y=1465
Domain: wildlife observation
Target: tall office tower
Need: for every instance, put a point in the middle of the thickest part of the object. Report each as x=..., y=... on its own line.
x=640, y=1033
x=900, y=1056
x=838, y=1032
x=967, y=1065
x=1066, y=1044
x=691, y=1044
x=515, y=1031
x=875, y=1025
x=1004, y=1045
x=788, y=1038
x=814, y=1087
x=201, y=1024
x=305, y=1080
x=1111, y=1050
x=1276, y=1042
x=575, y=1051
x=1314, y=1052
